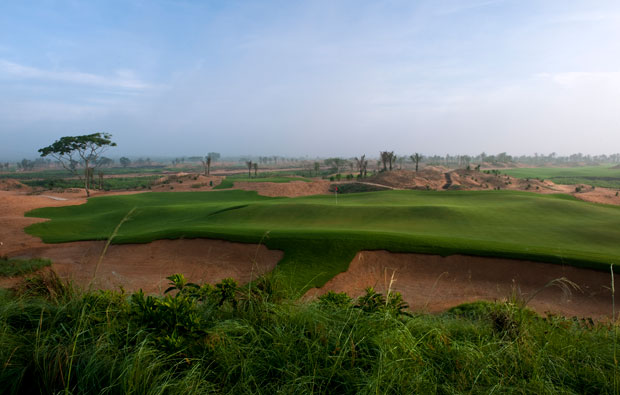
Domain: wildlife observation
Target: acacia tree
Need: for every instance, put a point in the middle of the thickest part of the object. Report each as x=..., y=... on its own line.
x=125, y=161
x=86, y=149
x=416, y=158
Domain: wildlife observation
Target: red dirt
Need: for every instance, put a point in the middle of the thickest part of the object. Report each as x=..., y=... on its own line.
x=435, y=283
x=288, y=189
x=146, y=266
x=184, y=182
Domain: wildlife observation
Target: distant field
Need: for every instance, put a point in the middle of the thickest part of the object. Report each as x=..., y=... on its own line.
x=229, y=181
x=320, y=238
x=599, y=176
x=114, y=184
x=61, y=173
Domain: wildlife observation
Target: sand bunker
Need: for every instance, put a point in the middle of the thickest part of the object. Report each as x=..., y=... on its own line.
x=146, y=266
x=435, y=283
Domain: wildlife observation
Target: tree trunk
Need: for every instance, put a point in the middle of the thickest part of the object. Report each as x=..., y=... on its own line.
x=86, y=178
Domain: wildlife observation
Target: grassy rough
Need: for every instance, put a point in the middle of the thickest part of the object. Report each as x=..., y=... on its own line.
x=319, y=237
x=16, y=267
x=260, y=341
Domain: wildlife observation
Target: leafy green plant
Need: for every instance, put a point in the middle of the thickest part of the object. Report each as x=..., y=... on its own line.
x=179, y=283
x=333, y=299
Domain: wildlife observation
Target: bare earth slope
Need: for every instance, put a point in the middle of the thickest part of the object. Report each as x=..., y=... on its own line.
x=434, y=283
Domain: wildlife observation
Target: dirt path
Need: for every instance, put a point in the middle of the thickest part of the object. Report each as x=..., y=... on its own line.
x=377, y=185
x=435, y=283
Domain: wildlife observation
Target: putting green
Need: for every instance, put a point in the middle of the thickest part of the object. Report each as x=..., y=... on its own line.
x=320, y=236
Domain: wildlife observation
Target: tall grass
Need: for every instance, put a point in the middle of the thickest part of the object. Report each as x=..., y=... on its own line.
x=16, y=267
x=227, y=339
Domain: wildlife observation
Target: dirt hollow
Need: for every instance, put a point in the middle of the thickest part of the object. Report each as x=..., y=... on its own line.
x=427, y=282
x=434, y=283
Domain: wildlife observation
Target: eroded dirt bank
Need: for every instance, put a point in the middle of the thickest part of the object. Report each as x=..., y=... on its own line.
x=435, y=283
x=146, y=266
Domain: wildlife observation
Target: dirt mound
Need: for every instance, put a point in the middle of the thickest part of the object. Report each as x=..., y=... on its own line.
x=182, y=182
x=470, y=179
x=615, y=167
x=288, y=189
x=427, y=178
x=7, y=184
x=435, y=283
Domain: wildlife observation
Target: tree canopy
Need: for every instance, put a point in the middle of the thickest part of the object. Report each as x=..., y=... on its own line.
x=86, y=149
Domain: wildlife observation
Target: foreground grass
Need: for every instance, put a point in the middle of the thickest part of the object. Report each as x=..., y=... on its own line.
x=320, y=237
x=17, y=267
x=598, y=176
x=257, y=339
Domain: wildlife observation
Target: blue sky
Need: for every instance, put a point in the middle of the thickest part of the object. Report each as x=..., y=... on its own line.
x=312, y=77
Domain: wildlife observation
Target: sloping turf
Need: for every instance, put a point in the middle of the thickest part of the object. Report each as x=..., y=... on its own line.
x=319, y=237
x=600, y=176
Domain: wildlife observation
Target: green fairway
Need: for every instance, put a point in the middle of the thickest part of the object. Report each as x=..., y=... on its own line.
x=599, y=176
x=320, y=237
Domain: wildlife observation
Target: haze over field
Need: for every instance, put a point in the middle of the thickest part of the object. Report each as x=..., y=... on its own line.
x=315, y=78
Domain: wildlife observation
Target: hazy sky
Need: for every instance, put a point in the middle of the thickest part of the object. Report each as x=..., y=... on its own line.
x=312, y=77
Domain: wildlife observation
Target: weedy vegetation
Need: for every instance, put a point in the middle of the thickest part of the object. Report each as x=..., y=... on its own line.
x=16, y=267
x=260, y=338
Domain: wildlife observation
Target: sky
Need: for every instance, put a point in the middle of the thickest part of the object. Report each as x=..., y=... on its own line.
x=316, y=78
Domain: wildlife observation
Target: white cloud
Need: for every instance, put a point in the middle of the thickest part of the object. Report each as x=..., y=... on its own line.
x=123, y=79
x=577, y=78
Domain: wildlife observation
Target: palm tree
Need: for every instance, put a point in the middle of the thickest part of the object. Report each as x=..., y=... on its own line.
x=416, y=158
x=206, y=163
x=361, y=164
x=249, y=165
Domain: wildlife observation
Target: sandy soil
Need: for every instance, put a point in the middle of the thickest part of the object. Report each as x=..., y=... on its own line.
x=434, y=177
x=289, y=189
x=146, y=266
x=435, y=283
x=184, y=182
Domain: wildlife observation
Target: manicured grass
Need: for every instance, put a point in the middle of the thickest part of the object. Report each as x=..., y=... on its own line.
x=320, y=237
x=17, y=267
x=599, y=176
x=261, y=341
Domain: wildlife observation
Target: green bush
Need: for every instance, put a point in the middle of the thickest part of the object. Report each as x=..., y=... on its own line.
x=189, y=342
